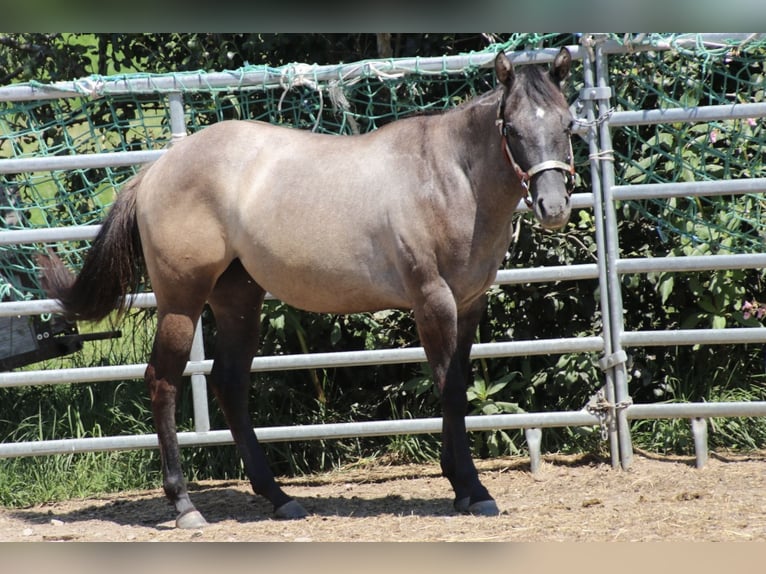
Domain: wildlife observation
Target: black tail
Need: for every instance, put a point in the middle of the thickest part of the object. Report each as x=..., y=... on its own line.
x=113, y=266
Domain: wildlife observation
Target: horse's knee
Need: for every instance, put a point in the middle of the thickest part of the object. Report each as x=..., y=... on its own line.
x=175, y=334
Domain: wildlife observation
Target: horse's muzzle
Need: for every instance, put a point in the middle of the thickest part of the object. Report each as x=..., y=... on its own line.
x=551, y=201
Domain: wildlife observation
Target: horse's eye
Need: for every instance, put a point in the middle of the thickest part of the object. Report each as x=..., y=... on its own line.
x=511, y=129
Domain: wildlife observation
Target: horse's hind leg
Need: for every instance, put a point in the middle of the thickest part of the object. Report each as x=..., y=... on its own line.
x=236, y=302
x=172, y=344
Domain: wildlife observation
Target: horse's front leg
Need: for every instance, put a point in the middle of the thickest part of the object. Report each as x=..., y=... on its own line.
x=447, y=337
x=478, y=501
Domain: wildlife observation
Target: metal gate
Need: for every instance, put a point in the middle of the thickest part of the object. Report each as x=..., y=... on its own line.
x=617, y=337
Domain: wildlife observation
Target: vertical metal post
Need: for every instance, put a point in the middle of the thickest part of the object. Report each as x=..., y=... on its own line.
x=534, y=439
x=598, y=217
x=699, y=431
x=622, y=396
x=199, y=384
x=177, y=116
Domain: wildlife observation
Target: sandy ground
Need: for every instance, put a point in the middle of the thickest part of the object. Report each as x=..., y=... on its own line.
x=570, y=499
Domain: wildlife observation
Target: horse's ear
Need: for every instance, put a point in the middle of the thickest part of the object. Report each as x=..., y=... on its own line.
x=561, y=66
x=504, y=70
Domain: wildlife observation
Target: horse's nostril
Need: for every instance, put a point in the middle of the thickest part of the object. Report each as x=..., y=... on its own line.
x=541, y=207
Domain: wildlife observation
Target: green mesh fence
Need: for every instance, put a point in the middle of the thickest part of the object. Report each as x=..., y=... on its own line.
x=688, y=74
x=694, y=73
x=141, y=121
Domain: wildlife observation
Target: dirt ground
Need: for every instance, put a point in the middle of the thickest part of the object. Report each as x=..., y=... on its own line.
x=571, y=499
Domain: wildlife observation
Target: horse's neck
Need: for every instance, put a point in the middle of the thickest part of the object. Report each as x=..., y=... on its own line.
x=493, y=181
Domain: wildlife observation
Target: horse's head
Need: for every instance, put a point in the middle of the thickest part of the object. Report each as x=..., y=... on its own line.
x=535, y=123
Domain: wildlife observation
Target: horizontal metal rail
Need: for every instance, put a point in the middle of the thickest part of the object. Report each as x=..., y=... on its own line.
x=688, y=115
x=302, y=432
x=697, y=410
x=689, y=189
x=86, y=232
x=40, y=306
x=269, y=78
x=305, y=361
x=731, y=336
x=48, y=234
x=547, y=274
x=384, y=428
x=691, y=263
x=504, y=277
x=78, y=161
x=691, y=41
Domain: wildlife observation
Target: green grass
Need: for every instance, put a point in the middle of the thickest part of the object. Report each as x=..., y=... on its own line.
x=51, y=412
x=714, y=375
x=35, y=480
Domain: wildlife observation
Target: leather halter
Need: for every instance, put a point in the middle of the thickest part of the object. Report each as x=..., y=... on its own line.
x=526, y=176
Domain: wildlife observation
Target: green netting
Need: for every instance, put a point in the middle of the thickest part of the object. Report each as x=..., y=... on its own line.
x=691, y=73
x=694, y=73
x=140, y=121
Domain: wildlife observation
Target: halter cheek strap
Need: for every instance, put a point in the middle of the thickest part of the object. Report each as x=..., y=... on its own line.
x=526, y=176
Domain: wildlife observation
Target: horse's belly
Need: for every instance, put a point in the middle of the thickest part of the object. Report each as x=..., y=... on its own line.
x=324, y=285
x=331, y=296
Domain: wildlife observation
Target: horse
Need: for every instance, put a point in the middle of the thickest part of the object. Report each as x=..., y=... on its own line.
x=416, y=215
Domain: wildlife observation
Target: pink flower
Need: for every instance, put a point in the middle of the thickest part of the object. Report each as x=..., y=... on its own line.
x=753, y=309
x=752, y=122
x=714, y=136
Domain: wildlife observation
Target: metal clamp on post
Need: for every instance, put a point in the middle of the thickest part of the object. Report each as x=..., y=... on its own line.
x=609, y=361
x=602, y=93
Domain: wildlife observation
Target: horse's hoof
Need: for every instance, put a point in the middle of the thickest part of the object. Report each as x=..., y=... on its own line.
x=290, y=510
x=481, y=508
x=461, y=505
x=192, y=519
x=484, y=508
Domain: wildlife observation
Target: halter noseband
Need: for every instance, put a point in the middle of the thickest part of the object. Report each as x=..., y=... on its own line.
x=526, y=176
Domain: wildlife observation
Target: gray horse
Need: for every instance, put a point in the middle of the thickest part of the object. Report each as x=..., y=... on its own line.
x=416, y=215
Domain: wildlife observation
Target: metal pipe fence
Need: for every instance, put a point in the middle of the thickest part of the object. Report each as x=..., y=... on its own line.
x=330, y=431
x=198, y=367
x=623, y=409
x=615, y=412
